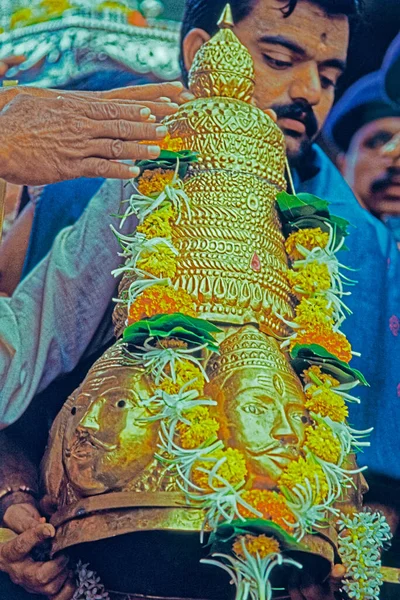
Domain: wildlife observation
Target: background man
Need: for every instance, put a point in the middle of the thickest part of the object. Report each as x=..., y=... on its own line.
x=362, y=123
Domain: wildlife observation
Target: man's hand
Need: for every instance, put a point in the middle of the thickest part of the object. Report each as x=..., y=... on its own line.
x=45, y=140
x=10, y=61
x=50, y=578
x=306, y=589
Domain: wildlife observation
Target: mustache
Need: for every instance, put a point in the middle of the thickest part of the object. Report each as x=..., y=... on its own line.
x=84, y=437
x=299, y=111
x=391, y=176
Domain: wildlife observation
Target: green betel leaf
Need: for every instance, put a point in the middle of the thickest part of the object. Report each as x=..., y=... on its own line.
x=312, y=221
x=304, y=356
x=196, y=332
x=303, y=205
x=224, y=536
x=168, y=160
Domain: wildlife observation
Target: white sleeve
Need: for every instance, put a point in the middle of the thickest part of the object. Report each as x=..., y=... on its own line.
x=52, y=316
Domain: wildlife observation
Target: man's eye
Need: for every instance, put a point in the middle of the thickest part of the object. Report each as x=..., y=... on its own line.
x=254, y=409
x=275, y=63
x=327, y=83
x=378, y=140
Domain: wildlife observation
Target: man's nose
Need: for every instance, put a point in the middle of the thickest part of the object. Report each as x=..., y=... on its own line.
x=282, y=430
x=91, y=419
x=306, y=84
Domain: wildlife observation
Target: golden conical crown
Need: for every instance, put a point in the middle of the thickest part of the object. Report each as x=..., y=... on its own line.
x=223, y=66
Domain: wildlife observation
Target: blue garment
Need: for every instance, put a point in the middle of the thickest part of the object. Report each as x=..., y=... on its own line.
x=374, y=327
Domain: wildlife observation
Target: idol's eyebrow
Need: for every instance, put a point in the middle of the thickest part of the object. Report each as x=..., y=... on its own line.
x=335, y=63
x=280, y=40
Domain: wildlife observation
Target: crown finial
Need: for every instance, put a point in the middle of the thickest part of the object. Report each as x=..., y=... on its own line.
x=226, y=18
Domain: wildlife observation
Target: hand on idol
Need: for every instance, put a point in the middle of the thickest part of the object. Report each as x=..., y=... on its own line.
x=50, y=578
x=307, y=589
x=48, y=137
x=7, y=63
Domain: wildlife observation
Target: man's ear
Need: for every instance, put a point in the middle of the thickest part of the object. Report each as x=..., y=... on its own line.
x=192, y=42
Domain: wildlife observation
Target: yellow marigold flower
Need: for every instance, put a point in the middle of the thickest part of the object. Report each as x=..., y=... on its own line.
x=325, y=402
x=112, y=5
x=333, y=341
x=263, y=545
x=158, y=223
x=55, y=7
x=271, y=505
x=313, y=311
x=168, y=143
x=323, y=443
x=233, y=470
x=161, y=300
x=323, y=377
x=153, y=181
x=308, y=238
x=297, y=472
x=314, y=277
x=159, y=261
x=185, y=371
x=201, y=428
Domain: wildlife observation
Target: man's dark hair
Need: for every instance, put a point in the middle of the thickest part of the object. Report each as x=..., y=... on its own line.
x=204, y=14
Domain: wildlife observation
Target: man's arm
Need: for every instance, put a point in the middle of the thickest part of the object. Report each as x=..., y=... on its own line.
x=51, y=318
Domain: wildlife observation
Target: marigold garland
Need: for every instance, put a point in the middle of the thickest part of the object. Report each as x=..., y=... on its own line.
x=201, y=427
x=325, y=402
x=185, y=372
x=322, y=442
x=153, y=181
x=314, y=311
x=271, y=505
x=233, y=469
x=333, y=341
x=308, y=280
x=161, y=300
x=302, y=470
x=261, y=545
x=315, y=372
x=308, y=238
x=160, y=261
x=158, y=223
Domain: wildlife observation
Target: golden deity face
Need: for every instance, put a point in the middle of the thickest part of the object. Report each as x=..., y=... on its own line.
x=106, y=442
x=261, y=402
x=264, y=421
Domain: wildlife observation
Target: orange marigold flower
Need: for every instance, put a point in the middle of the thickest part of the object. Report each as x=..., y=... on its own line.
x=200, y=429
x=308, y=238
x=333, y=341
x=153, y=181
x=233, y=470
x=161, y=300
x=261, y=545
x=168, y=143
x=271, y=505
x=185, y=371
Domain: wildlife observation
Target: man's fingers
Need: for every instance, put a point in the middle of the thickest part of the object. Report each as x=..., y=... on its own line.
x=52, y=569
x=13, y=61
x=125, y=130
x=67, y=592
x=55, y=586
x=99, y=167
x=20, y=517
x=118, y=150
x=20, y=547
x=173, y=90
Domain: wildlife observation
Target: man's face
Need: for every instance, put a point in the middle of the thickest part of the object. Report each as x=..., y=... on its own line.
x=106, y=443
x=266, y=420
x=297, y=61
x=374, y=179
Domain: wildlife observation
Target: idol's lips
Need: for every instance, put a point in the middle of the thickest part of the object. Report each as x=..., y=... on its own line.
x=275, y=453
x=84, y=447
